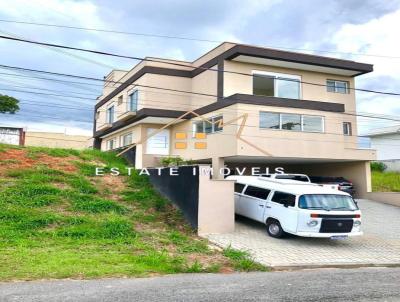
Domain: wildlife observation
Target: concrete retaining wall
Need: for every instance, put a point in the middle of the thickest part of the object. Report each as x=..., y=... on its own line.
x=207, y=204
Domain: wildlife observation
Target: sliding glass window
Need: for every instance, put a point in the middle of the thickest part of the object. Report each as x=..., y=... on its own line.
x=292, y=122
x=276, y=84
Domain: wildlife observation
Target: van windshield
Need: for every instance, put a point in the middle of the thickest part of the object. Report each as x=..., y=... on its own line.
x=327, y=202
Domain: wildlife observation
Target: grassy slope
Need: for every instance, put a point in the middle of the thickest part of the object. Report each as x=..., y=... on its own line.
x=57, y=220
x=385, y=181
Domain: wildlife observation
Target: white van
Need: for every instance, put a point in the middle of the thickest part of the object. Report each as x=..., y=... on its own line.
x=302, y=209
x=298, y=177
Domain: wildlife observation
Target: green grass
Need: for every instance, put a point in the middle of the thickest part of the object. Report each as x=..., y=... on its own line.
x=242, y=261
x=385, y=181
x=57, y=224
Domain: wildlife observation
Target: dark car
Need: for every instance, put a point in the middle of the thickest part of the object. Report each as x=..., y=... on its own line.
x=339, y=183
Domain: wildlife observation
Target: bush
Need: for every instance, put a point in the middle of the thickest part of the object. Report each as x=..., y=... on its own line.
x=378, y=166
x=174, y=161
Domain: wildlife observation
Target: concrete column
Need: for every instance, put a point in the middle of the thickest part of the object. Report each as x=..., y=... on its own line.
x=217, y=166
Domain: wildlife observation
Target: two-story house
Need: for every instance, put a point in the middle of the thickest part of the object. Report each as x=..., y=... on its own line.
x=277, y=107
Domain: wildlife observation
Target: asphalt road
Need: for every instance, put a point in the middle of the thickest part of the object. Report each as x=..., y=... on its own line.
x=370, y=284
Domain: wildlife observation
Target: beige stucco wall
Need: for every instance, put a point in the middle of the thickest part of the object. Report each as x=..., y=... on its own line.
x=274, y=143
x=56, y=140
x=216, y=206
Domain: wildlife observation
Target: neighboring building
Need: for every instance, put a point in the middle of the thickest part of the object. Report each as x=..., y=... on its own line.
x=12, y=136
x=57, y=140
x=386, y=141
x=307, y=128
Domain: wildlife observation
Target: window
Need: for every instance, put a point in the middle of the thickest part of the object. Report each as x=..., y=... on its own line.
x=347, y=128
x=110, y=114
x=209, y=126
x=97, y=115
x=312, y=123
x=291, y=121
x=276, y=84
x=126, y=139
x=111, y=144
x=270, y=120
x=133, y=101
x=337, y=86
x=257, y=192
x=284, y=198
x=120, y=99
x=239, y=187
x=294, y=122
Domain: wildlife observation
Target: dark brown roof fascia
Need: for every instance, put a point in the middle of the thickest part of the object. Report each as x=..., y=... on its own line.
x=140, y=73
x=295, y=57
x=141, y=114
x=271, y=101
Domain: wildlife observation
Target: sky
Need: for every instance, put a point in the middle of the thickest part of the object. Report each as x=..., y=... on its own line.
x=341, y=29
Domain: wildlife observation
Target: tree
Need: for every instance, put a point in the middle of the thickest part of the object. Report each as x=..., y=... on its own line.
x=8, y=104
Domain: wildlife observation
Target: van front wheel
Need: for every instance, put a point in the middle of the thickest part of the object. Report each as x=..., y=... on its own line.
x=274, y=228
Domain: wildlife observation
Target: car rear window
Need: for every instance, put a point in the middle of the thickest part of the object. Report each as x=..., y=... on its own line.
x=257, y=192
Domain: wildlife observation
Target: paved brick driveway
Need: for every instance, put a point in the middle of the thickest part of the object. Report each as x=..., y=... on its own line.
x=380, y=244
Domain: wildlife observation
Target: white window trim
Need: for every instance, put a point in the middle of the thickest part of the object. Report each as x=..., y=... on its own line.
x=128, y=103
x=212, y=118
x=301, y=121
x=277, y=75
x=107, y=114
x=335, y=86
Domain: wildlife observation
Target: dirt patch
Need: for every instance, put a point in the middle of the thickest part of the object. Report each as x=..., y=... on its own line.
x=211, y=259
x=113, y=185
x=18, y=159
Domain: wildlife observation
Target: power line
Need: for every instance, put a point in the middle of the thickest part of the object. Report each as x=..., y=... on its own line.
x=189, y=38
x=152, y=87
x=185, y=65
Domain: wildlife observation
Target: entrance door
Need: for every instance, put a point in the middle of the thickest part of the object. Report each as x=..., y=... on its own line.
x=157, y=144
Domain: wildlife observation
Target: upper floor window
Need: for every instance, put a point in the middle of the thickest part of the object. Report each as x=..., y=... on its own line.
x=337, y=86
x=120, y=99
x=133, y=101
x=110, y=114
x=276, y=84
x=294, y=122
x=347, y=128
x=212, y=125
x=97, y=115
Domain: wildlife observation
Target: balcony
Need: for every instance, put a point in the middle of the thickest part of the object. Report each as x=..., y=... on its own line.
x=126, y=115
x=104, y=126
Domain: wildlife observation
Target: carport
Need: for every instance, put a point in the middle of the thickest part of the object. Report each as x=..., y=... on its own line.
x=358, y=172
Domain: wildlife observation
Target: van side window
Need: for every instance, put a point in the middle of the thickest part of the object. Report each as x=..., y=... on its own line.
x=282, y=198
x=239, y=187
x=257, y=192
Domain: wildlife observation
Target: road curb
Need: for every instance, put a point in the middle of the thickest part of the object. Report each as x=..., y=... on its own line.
x=277, y=268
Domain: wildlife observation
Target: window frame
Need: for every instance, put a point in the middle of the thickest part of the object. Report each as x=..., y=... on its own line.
x=335, y=88
x=276, y=76
x=122, y=139
x=113, y=141
x=348, y=127
x=212, y=123
x=129, y=103
x=301, y=122
x=108, y=115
